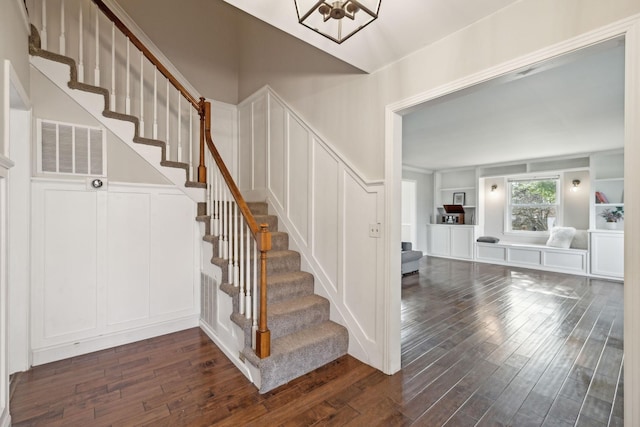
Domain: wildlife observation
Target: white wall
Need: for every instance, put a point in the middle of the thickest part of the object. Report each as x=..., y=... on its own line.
x=424, y=203
x=348, y=109
x=14, y=70
x=325, y=206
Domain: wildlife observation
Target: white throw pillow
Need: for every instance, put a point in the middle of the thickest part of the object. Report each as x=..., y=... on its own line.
x=561, y=237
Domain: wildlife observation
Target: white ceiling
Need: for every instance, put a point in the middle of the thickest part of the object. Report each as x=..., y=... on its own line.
x=402, y=27
x=565, y=107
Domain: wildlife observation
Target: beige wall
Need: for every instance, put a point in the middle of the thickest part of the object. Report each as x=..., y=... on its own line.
x=13, y=46
x=214, y=72
x=348, y=109
x=123, y=164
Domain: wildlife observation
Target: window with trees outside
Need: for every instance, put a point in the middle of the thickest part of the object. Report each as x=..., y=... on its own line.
x=533, y=204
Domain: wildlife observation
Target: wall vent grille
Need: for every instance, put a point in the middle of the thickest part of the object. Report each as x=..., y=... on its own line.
x=71, y=149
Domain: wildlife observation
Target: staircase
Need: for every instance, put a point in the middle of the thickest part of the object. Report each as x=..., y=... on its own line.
x=302, y=336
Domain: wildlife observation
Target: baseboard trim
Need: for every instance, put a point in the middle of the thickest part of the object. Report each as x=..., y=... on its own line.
x=235, y=359
x=64, y=351
x=5, y=418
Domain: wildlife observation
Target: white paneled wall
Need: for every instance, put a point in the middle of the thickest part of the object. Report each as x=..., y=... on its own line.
x=110, y=266
x=326, y=207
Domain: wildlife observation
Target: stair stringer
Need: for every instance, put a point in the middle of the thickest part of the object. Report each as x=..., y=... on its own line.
x=125, y=127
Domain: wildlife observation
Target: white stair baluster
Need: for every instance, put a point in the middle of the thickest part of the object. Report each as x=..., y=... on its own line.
x=240, y=259
x=232, y=246
x=96, y=72
x=141, y=118
x=80, y=47
x=247, y=272
x=127, y=102
x=191, y=110
x=112, y=105
x=155, y=103
x=179, y=158
x=63, y=42
x=43, y=32
x=167, y=137
x=217, y=198
x=221, y=224
x=254, y=326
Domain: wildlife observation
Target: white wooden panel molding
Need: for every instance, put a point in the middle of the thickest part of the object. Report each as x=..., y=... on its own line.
x=277, y=153
x=128, y=276
x=299, y=194
x=110, y=267
x=327, y=209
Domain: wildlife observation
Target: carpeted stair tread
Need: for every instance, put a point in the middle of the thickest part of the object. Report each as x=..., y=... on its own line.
x=284, y=261
x=294, y=284
x=281, y=287
x=258, y=208
x=299, y=353
x=290, y=316
x=270, y=220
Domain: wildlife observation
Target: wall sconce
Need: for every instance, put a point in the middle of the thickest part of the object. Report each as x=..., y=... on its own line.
x=576, y=185
x=494, y=187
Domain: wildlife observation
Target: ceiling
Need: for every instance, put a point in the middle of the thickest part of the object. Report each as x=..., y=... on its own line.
x=402, y=27
x=568, y=106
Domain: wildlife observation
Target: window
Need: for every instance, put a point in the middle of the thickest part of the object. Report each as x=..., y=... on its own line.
x=533, y=204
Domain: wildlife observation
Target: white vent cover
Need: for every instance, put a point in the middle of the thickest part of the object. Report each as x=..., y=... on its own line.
x=71, y=149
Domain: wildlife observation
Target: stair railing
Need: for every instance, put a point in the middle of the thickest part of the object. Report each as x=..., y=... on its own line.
x=134, y=85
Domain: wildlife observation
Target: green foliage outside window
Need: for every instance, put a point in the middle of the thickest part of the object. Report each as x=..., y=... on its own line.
x=533, y=204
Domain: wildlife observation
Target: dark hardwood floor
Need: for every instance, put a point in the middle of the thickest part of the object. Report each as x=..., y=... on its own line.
x=481, y=345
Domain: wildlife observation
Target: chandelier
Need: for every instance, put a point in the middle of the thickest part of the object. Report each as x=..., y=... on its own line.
x=337, y=20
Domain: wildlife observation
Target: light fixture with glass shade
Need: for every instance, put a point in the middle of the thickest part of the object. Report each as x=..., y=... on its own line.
x=337, y=20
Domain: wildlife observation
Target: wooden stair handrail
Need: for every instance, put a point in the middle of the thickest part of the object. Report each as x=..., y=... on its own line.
x=261, y=234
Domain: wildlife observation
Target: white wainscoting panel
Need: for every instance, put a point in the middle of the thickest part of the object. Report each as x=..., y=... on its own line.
x=245, y=146
x=360, y=257
x=325, y=212
x=128, y=275
x=299, y=179
x=70, y=292
x=277, y=159
x=326, y=207
x=110, y=266
x=259, y=134
x=173, y=223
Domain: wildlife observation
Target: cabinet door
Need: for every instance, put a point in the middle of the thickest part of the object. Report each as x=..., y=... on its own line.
x=607, y=254
x=462, y=242
x=439, y=237
x=66, y=278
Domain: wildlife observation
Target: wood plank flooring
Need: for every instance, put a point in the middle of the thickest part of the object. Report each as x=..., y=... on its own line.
x=481, y=345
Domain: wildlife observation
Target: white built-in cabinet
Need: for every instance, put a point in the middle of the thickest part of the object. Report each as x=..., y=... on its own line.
x=607, y=254
x=110, y=265
x=452, y=241
x=607, y=192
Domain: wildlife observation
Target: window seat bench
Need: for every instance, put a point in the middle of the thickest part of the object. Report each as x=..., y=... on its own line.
x=541, y=257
